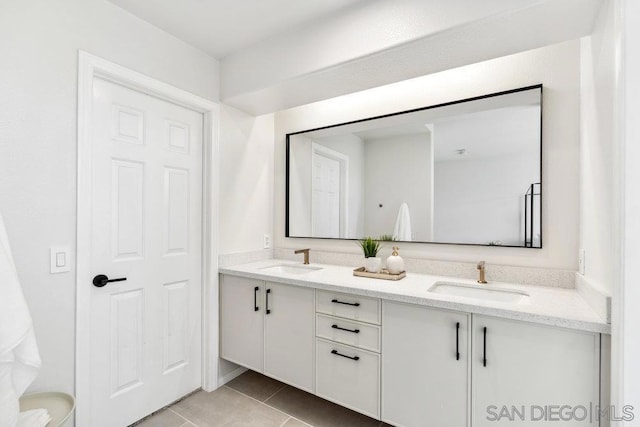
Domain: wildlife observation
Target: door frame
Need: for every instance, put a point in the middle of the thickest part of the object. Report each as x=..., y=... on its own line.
x=89, y=68
x=343, y=159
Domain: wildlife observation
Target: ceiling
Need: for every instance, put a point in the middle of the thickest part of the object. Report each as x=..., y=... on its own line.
x=278, y=54
x=220, y=27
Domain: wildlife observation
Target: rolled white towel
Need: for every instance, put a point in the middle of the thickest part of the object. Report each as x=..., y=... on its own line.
x=402, y=229
x=34, y=418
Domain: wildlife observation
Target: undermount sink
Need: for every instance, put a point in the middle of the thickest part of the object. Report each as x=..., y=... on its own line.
x=480, y=292
x=291, y=269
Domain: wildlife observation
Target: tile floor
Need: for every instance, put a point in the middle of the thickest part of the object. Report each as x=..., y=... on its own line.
x=255, y=400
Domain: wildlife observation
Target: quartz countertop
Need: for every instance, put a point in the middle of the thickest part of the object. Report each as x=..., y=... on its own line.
x=546, y=305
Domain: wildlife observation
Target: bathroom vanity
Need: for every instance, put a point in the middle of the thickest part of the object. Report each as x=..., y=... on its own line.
x=414, y=350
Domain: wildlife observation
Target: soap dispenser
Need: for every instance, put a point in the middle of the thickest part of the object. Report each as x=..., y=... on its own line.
x=395, y=263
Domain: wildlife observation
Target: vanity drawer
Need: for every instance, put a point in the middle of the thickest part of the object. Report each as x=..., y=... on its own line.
x=354, y=307
x=362, y=335
x=348, y=376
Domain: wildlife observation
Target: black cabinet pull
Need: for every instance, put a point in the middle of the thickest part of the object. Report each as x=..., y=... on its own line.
x=267, y=303
x=100, y=280
x=484, y=347
x=355, y=331
x=356, y=358
x=355, y=304
x=255, y=298
x=457, y=340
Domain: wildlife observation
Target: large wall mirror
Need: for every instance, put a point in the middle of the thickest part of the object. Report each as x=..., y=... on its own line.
x=464, y=172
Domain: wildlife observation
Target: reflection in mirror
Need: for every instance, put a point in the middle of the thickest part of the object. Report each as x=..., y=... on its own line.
x=465, y=172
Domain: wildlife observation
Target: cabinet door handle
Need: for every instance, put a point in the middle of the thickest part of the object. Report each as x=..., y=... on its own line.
x=356, y=358
x=255, y=298
x=355, y=331
x=355, y=304
x=484, y=347
x=457, y=340
x=267, y=303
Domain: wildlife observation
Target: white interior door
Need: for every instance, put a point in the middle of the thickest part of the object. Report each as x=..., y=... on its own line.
x=146, y=226
x=325, y=181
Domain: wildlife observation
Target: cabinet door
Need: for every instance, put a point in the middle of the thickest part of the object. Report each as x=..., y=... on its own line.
x=529, y=372
x=241, y=321
x=424, y=380
x=289, y=335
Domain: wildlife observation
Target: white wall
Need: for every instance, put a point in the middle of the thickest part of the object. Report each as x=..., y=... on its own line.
x=399, y=170
x=556, y=67
x=246, y=180
x=39, y=42
x=626, y=297
x=598, y=151
x=300, y=186
x=480, y=200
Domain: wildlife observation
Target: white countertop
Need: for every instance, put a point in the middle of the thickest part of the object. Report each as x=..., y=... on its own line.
x=546, y=305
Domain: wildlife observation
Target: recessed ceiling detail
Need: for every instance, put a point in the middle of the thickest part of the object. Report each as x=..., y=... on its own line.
x=219, y=27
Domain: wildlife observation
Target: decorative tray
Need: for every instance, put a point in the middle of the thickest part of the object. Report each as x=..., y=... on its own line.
x=384, y=274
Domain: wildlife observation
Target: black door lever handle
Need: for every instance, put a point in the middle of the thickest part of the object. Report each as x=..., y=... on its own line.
x=100, y=280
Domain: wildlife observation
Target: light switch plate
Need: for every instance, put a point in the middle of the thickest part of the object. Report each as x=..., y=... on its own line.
x=59, y=259
x=581, y=261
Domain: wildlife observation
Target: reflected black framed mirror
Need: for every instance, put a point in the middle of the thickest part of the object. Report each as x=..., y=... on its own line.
x=464, y=172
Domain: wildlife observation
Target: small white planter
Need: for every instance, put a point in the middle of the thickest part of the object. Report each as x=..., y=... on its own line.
x=373, y=265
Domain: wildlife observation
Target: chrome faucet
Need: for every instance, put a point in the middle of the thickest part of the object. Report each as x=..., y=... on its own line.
x=305, y=252
x=480, y=268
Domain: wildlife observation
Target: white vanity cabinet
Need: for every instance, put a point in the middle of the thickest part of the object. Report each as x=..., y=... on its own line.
x=533, y=368
x=269, y=328
x=412, y=365
x=425, y=366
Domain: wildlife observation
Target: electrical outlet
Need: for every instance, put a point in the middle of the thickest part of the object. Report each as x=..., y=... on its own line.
x=266, y=243
x=581, y=260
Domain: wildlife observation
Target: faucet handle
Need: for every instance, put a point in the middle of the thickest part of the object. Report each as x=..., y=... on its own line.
x=480, y=265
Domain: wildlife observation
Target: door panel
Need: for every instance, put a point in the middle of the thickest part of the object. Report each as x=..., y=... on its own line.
x=289, y=335
x=146, y=215
x=241, y=321
x=530, y=367
x=326, y=174
x=423, y=382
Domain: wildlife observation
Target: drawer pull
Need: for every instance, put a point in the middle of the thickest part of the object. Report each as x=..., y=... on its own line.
x=484, y=345
x=267, y=310
x=255, y=299
x=355, y=331
x=356, y=358
x=355, y=304
x=457, y=340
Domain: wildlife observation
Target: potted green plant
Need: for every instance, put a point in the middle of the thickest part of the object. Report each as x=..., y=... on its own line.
x=370, y=248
